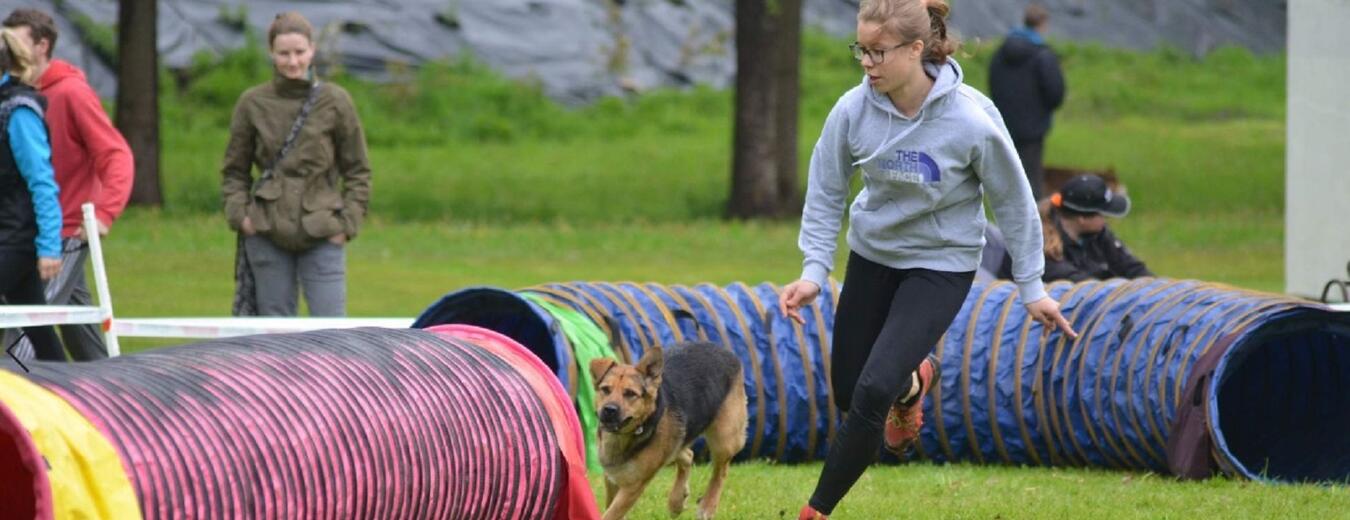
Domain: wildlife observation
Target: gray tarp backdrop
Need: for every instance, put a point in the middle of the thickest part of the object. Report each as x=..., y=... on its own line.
x=582, y=49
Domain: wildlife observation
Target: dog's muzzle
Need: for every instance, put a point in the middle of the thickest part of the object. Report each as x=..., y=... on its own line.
x=611, y=418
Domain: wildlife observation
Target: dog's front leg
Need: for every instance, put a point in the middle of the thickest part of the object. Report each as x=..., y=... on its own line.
x=610, y=489
x=624, y=500
x=680, y=491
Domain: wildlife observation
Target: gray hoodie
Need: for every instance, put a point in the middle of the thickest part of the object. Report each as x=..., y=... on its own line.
x=923, y=184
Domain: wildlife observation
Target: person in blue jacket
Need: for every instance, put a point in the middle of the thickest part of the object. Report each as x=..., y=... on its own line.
x=30, y=215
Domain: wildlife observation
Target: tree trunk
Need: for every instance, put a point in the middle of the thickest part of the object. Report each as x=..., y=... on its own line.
x=764, y=162
x=754, y=183
x=138, y=95
x=788, y=83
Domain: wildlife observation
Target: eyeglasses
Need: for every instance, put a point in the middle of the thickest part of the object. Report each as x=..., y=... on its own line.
x=878, y=56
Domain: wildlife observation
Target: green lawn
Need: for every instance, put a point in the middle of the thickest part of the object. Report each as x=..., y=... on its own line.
x=770, y=491
x=458, y=143
x=183, y=265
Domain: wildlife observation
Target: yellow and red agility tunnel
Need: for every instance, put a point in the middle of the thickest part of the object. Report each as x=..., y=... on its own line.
x=449, y=422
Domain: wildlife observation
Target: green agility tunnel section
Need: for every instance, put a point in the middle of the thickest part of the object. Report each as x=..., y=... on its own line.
x=1172, y=376
x=450, y=422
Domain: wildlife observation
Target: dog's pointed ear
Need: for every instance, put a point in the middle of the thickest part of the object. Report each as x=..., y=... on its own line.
x=652, y=362
x=600, y=367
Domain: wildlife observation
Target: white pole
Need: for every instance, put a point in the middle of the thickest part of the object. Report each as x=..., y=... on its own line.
x=1315, y=180
x=100, y=278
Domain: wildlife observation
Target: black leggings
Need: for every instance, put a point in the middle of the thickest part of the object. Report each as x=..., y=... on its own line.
x=888, y=320
x=21, y=285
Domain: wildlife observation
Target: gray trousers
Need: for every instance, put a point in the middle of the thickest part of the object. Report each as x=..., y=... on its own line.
x=84, y=342
x=321, y=271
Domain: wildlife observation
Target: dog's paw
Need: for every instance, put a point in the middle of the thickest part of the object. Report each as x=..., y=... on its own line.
x=675, y=504
x=706, y=509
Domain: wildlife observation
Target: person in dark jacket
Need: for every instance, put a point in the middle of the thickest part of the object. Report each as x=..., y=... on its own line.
x=30, y=213
x=93, y=163
x=1078, y=245
x=1027, y=86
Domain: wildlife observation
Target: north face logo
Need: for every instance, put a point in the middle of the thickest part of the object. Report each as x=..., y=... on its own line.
x=910, y=166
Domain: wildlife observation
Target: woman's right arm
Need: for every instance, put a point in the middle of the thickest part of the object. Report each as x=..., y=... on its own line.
x=826, y=196
x=237, y=168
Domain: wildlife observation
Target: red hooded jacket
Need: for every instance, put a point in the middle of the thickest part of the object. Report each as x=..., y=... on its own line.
x=92, y=161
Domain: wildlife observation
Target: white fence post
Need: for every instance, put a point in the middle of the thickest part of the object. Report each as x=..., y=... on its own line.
x=100, y=278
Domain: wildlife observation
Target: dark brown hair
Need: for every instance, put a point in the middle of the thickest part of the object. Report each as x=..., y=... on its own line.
x=40, y=24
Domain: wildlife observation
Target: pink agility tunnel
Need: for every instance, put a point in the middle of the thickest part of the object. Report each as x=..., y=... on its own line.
x=452, y=422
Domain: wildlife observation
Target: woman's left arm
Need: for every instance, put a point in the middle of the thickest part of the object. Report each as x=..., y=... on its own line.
x=33, y=155
x=352, y=163
x=1000, y=171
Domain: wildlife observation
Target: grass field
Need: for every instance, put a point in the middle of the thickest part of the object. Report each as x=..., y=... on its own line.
x=458, y=143
x=768, y=491
x=483, y=181
x=181, y=265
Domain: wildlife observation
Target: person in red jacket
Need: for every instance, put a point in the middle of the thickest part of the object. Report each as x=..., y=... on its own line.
x=93, y=164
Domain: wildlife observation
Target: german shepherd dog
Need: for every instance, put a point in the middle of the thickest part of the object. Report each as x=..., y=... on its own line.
x=650, y=414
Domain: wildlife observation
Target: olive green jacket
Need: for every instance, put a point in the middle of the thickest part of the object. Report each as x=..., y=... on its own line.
x=320, y=189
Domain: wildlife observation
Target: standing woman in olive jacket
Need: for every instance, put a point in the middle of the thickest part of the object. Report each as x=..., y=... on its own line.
x=297, y=215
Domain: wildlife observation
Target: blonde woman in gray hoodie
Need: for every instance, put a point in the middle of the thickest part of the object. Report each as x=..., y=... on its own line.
x=930, y=148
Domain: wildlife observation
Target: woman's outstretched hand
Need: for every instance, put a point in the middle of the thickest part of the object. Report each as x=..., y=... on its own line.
x=1046, y=311
x=796, y=295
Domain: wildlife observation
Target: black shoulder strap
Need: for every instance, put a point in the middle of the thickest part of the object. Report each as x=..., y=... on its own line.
x=8, y=106
x=295, y=130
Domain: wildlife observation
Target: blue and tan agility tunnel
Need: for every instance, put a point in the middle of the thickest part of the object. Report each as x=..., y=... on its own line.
x=452, y=422
x=1168, y=375
x=787, y=380
x=1262, y=378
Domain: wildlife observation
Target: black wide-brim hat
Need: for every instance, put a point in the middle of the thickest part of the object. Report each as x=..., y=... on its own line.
x=1090, y=194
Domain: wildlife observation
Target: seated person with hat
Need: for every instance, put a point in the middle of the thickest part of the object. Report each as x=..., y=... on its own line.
x=1078, y=245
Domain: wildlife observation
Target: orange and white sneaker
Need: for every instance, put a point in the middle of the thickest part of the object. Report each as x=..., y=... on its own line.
x=904, y=420
x=809, y=513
